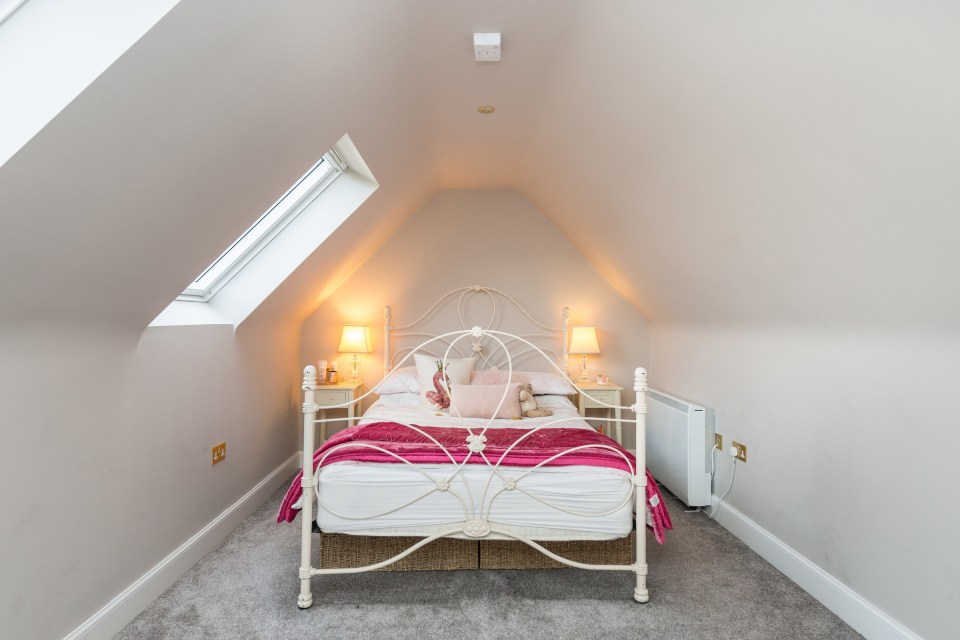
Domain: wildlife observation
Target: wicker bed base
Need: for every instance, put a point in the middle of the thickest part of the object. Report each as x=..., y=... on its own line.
x=339, y=550
x=512, y=554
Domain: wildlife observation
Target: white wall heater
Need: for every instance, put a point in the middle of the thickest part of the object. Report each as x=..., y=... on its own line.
x=680, y=446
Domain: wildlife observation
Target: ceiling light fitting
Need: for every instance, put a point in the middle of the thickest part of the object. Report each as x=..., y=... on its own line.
x=486, y=109
x=486, y=47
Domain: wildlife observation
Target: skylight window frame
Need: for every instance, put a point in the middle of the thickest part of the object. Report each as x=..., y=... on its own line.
x=7, y=9
x=260, y=233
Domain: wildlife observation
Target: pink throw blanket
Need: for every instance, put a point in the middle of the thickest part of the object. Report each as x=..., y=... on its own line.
x=531, y=451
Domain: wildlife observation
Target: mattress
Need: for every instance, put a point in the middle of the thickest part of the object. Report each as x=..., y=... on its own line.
x=551, y=503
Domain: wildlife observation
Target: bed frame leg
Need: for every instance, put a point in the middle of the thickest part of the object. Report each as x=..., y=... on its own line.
x=640, y=593
x=307, y=482
x=305, y=599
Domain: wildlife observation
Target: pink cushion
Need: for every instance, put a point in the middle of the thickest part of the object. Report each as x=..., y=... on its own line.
x=480, y=401
x=543, y=383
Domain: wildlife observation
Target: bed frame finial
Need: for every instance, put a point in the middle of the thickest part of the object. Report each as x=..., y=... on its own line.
x=640, y=379
x=309, y=377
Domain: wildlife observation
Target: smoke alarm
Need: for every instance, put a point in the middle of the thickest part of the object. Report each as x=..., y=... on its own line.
x=486, y=47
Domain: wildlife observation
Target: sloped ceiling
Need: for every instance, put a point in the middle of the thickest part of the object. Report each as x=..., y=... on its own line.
x=741, y=162
x=762, y=163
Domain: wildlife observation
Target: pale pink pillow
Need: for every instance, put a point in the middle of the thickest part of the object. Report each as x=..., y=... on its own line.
x=543, y=383
x=480, y=401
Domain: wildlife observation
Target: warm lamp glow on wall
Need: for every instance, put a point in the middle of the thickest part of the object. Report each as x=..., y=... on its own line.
x=583, y=341
x=355, y=339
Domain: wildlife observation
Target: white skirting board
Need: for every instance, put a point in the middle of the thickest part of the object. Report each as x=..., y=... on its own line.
x=851, y=607
x=115, y=615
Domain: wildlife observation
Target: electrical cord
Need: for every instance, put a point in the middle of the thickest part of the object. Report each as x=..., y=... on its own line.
x=733, y=472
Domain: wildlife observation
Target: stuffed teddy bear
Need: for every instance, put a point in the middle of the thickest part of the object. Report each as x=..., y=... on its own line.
x=528, y=404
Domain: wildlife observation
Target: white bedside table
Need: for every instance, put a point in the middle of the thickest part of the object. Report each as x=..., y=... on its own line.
x=331, y=395
x=608, y=393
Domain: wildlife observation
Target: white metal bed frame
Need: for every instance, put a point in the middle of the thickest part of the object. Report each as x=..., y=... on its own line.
x=463, y=294
x=475, y=525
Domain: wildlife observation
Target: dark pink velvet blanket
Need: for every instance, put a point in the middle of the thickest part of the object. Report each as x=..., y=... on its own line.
x=531, y=451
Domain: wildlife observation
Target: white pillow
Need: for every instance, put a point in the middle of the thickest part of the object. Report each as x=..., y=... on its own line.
x=458, y=370
x=399, y=400
x=403, y=380
x=543, y=383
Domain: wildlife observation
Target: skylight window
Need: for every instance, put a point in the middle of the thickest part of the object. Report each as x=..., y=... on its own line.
x=278, y=216
x=285, y=238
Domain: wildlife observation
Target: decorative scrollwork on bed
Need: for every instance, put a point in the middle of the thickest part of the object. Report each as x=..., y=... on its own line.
x=491, y=358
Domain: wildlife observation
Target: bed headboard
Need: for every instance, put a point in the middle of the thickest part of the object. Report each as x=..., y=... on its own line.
x=490, y=354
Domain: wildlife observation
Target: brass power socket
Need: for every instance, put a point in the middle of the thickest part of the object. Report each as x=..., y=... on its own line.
x=718, y=441
x=741, y=451
x=219, y=452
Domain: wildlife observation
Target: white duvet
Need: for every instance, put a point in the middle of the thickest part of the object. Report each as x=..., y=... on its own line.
x=551, y=503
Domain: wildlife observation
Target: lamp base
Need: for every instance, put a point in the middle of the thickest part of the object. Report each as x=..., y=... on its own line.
x=355, y=372
x=583, y=369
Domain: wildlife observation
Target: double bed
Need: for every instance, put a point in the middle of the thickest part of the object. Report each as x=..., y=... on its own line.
x=449, y=455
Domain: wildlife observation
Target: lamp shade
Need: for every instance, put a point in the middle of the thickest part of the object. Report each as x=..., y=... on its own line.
x=583, y=340
x=355, y=339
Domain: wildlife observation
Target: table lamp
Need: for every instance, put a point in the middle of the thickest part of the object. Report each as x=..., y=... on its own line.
x=583, y=340
x=355, y=339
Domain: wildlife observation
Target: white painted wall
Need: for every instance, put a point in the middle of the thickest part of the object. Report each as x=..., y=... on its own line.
x=852, y=445
x=51, y=50
x=495, y=238
x=106, y=453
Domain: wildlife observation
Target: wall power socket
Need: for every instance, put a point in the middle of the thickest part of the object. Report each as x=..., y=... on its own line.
x=738, y=451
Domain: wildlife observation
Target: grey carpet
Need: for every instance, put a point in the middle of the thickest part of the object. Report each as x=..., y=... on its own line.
x=704, y=583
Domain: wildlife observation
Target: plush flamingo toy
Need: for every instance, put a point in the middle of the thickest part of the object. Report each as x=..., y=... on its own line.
x=439, y=397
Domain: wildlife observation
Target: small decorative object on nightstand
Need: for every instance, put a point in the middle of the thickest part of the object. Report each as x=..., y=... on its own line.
x=334, y=395
x=608, y=394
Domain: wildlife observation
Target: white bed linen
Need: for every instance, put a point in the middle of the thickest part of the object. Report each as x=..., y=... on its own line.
x=349, y=491
x=406, y=408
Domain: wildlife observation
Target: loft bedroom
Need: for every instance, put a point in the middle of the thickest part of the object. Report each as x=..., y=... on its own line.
x=754, y=202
